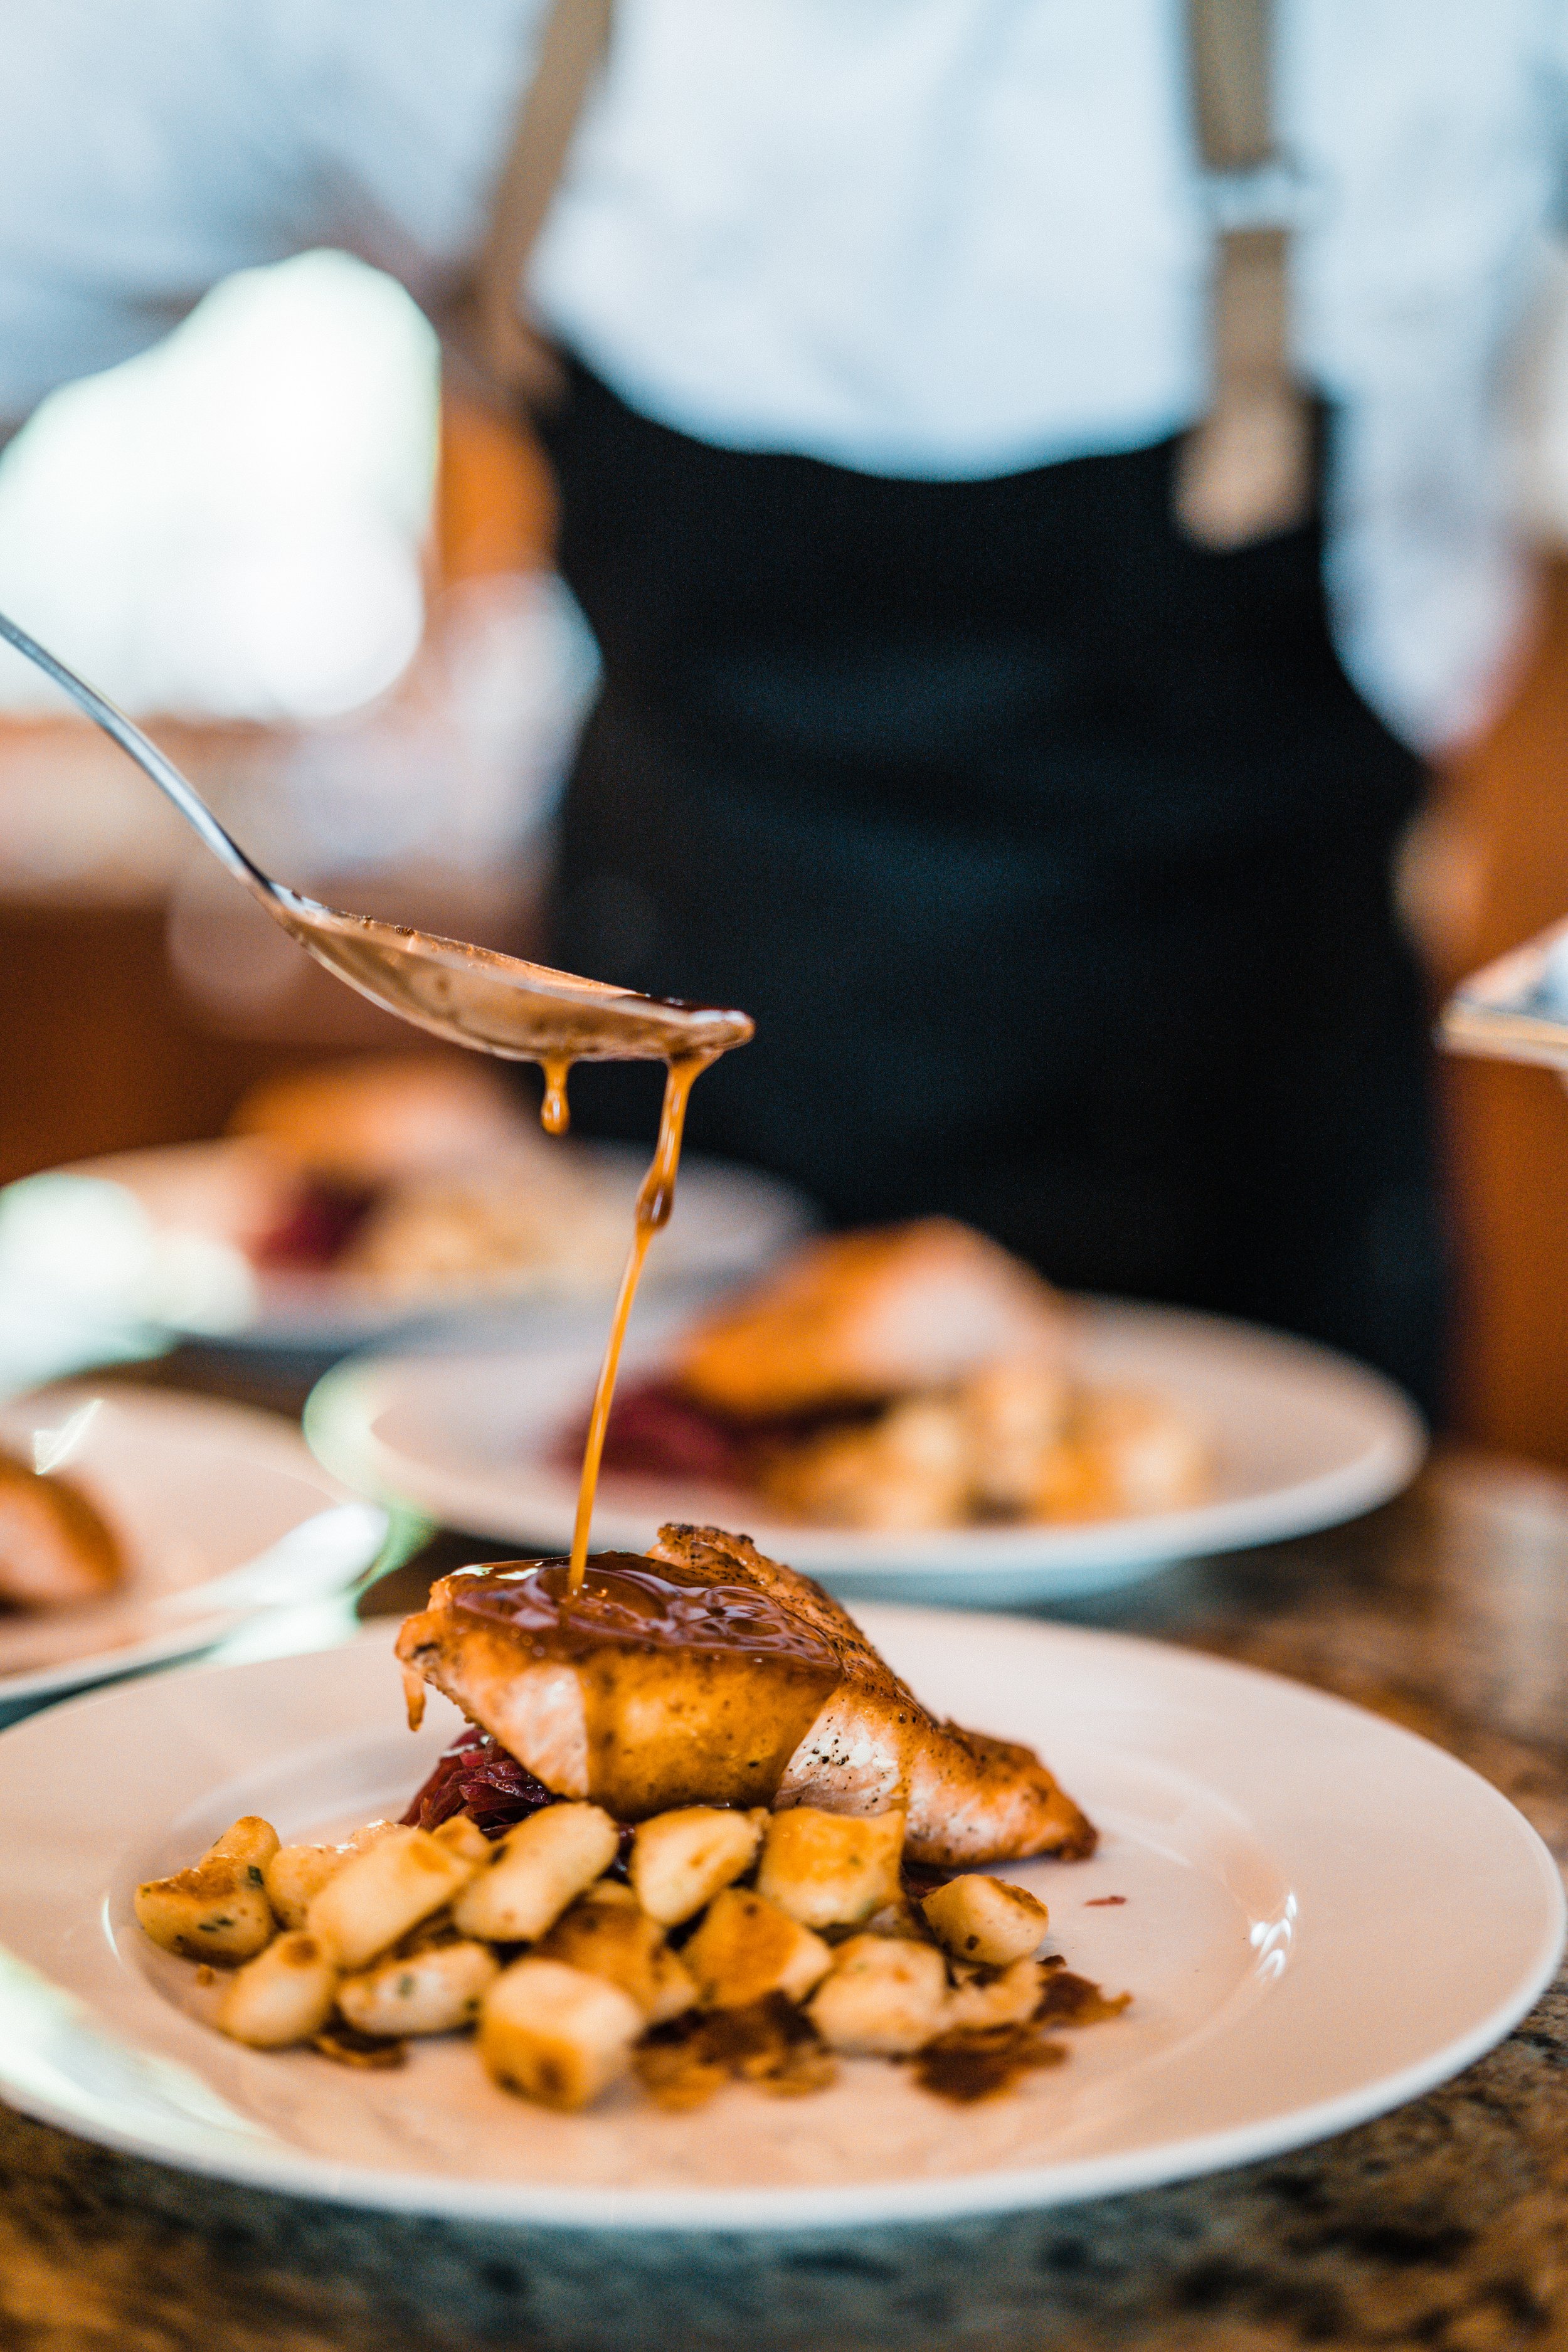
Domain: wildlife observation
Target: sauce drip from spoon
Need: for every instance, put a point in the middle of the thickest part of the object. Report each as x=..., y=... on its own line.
x=470, y=996
x=554, y=1112
x=655, y=1198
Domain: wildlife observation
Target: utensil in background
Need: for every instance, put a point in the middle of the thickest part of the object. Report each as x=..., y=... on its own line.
x=1515, y=1009
x=469, y=995
x=319, y=1558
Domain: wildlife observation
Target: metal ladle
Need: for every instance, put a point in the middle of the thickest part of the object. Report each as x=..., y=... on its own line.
x=472, y=995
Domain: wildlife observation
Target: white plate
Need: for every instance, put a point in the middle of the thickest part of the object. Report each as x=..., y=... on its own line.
x=1302, y=1439
x=1324, y=1916
x=160, y=1235
x=196, y=1491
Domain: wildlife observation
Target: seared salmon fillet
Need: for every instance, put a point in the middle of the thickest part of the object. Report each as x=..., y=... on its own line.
x=858, y=1318
x=703, y=1672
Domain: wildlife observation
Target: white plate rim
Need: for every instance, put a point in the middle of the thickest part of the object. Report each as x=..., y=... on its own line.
x=31, y=2005
x=1066, y=1562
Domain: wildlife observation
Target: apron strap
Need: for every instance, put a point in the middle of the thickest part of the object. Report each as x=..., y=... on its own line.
x=1245, y=472
x=492, y=342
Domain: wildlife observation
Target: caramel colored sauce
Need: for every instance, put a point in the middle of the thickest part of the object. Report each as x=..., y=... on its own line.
x=1072, y=1999
x=554, y=1111
x=772, y=2045
x=528, y=1013
x=675, y=1712
x=655, y=1201
x=634, y=1603
x=978, y=2062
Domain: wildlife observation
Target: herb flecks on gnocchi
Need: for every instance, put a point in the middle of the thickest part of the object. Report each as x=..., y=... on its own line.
x=723, y=1945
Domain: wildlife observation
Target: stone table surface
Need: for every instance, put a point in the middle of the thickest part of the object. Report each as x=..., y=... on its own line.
x=1442, y=2226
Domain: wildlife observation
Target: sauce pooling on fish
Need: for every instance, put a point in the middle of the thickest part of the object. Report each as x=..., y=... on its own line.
x=666, y=1663
x=702, y=1672
x=634, y=1601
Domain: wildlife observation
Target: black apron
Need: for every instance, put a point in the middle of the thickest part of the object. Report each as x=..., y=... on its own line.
x=1049, y=851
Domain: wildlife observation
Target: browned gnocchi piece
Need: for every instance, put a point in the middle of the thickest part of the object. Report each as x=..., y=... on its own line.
x=216, y=1910
x=987, y=1920
x=433, y=1991
x=381, y=1893
x=284, y=1995
x=249, y=1839
x=615, y=1939
x=295, y=1874
x=885, y=1996
x=465, y=1838
x=831, y=1870
x=1009, y=1997
x=538, y=1868
x=680, y=1860
x=555, y=2033
x=746, y=1949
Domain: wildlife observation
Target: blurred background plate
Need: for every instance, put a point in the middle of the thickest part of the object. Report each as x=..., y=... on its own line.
x=195, y=1491
x=484, y=1441
x=159, y=1239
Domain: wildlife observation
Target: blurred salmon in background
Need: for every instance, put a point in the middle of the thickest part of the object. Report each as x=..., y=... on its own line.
x=913, y=1375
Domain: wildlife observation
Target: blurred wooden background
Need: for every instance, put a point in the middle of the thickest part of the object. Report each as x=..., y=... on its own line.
x=1497, y=872
x=100, y=1049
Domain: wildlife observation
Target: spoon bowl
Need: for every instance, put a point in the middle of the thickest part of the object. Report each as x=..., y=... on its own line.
x=469, y=995
x=499, y=1004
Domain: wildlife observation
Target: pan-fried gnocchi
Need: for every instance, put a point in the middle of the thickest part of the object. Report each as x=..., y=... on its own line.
x=680, y=1860
x=436, y=1990
x=536, y=1872
x=831, y=1870
x=284, y=1995
x=987, y=1920
x=295, y=1874
x=217, y=1910
x=381, y=1893
x=724, y=1943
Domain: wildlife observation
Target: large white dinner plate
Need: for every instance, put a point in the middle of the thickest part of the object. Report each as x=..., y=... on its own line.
x=1322, y=1916
x=1301, y=1439
x=197, y=1492
x=161, y=1234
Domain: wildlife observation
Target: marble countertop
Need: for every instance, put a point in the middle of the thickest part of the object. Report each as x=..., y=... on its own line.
x=1442, y=2226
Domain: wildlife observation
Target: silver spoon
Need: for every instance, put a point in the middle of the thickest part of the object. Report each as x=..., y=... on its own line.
x=495, y=1004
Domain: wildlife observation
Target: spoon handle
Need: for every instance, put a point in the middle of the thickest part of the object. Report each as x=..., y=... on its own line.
x=148, y=757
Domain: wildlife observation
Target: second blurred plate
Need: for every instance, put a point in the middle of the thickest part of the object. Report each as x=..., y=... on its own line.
x=160, y=1237
x=1302, y=1439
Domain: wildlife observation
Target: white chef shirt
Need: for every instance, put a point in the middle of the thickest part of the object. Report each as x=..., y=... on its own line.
x=935, y=239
